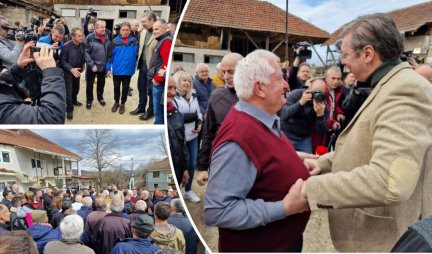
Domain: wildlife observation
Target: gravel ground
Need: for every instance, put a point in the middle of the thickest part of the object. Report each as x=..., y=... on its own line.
x=103, y=115
x=316, y=236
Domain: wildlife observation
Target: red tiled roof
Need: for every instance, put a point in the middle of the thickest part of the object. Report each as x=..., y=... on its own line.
x=407, y=19
x=31, y=140
x=248, y=15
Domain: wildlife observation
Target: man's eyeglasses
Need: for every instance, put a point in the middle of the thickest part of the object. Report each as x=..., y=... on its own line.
x=344, y=56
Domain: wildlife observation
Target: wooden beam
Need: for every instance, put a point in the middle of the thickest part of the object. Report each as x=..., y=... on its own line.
x=278, y=45
x=221, y=37
x=229, y=40
x=267, y=42
x=251, y=40
x=313, y=47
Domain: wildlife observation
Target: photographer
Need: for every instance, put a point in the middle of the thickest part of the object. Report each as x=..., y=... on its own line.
x=303, y=114
x=9, y=50
x=299, y=73
x=13, y=109
x=54, y=40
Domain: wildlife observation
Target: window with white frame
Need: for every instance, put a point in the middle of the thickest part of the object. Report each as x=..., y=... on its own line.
x=36, y=163
x=5, y=157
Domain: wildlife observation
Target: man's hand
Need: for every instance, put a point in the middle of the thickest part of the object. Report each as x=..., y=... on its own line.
x=109, y=74
x=75, y=72
x=202, y=177
x=340, y=118
x=312, y=166
x=55, y=46
x=25, y=56
x=412, y=62
x=304, y=155
x=94, y=69
x=319, y=108
x=294, y=201
x=162, y=71
x=45, y=58
x=185, y=178
x=336, y=126
x=306, y=97
x=198, y=129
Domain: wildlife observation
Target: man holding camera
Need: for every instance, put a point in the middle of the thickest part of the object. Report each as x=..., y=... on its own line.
x=54, y=40
x=9, y=50
x=304, y=113
x=299, y=73
x=13, y=109
x=72, y=61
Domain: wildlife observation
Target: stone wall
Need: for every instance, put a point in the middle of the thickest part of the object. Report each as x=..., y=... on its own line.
x=19, y=13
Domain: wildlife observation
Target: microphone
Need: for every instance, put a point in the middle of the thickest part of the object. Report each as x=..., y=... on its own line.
x=320, y=150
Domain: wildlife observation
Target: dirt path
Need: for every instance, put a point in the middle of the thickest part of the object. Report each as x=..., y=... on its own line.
x=103, y=115
x=316, y=236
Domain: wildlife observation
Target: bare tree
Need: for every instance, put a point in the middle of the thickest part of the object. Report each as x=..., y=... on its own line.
x=162, y=144
x=99, y=149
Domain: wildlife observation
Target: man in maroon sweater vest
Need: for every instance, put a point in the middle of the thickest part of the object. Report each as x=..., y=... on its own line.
x=253, y=193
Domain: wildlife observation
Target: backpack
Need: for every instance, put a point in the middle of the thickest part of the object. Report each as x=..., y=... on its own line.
x=17, y=223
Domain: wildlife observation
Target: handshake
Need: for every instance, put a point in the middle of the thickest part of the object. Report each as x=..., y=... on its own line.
x=296, y=200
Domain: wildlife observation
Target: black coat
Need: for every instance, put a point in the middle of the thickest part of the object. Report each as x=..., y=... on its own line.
x=220, y=103
x=176, y=133
x=297, y=120
x=52, y=106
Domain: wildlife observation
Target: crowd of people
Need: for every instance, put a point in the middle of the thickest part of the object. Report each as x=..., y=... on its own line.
x=265, y=137
x=86, y=221
x=93, y=49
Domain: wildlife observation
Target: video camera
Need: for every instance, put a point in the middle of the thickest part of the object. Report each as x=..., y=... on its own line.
x=92, y=12
x=317, y=95
x=27, y=35
x=405, y=55
x=117, y=29
x=305, y=53
x=50, y=23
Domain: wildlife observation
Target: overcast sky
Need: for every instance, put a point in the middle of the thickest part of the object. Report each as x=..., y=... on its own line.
x=141, y=145
x=330, y=15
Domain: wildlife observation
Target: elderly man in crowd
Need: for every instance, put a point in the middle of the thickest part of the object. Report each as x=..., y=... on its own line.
x=380, y=180
x=220, y=103
x=203, y=86
x=71, y=229
x=254, y=210
x=4, y=219
x=97, y=55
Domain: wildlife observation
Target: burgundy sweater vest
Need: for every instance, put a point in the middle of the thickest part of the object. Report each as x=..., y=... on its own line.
x=278, y=168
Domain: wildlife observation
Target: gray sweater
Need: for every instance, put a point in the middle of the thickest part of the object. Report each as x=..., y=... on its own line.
x=9, y=52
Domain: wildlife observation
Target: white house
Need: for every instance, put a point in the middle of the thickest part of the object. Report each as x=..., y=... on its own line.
x=28, y=158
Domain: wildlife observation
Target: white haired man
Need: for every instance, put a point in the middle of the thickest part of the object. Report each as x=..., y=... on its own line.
x=71, y=229
x=86, y=208
x=254, y=210
x=203, y=85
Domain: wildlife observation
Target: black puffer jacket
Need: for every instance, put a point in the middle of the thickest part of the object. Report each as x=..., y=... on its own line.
x=51, y=109
x=176, y=134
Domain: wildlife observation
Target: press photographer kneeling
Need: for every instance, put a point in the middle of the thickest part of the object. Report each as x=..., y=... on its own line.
x=13, y=107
